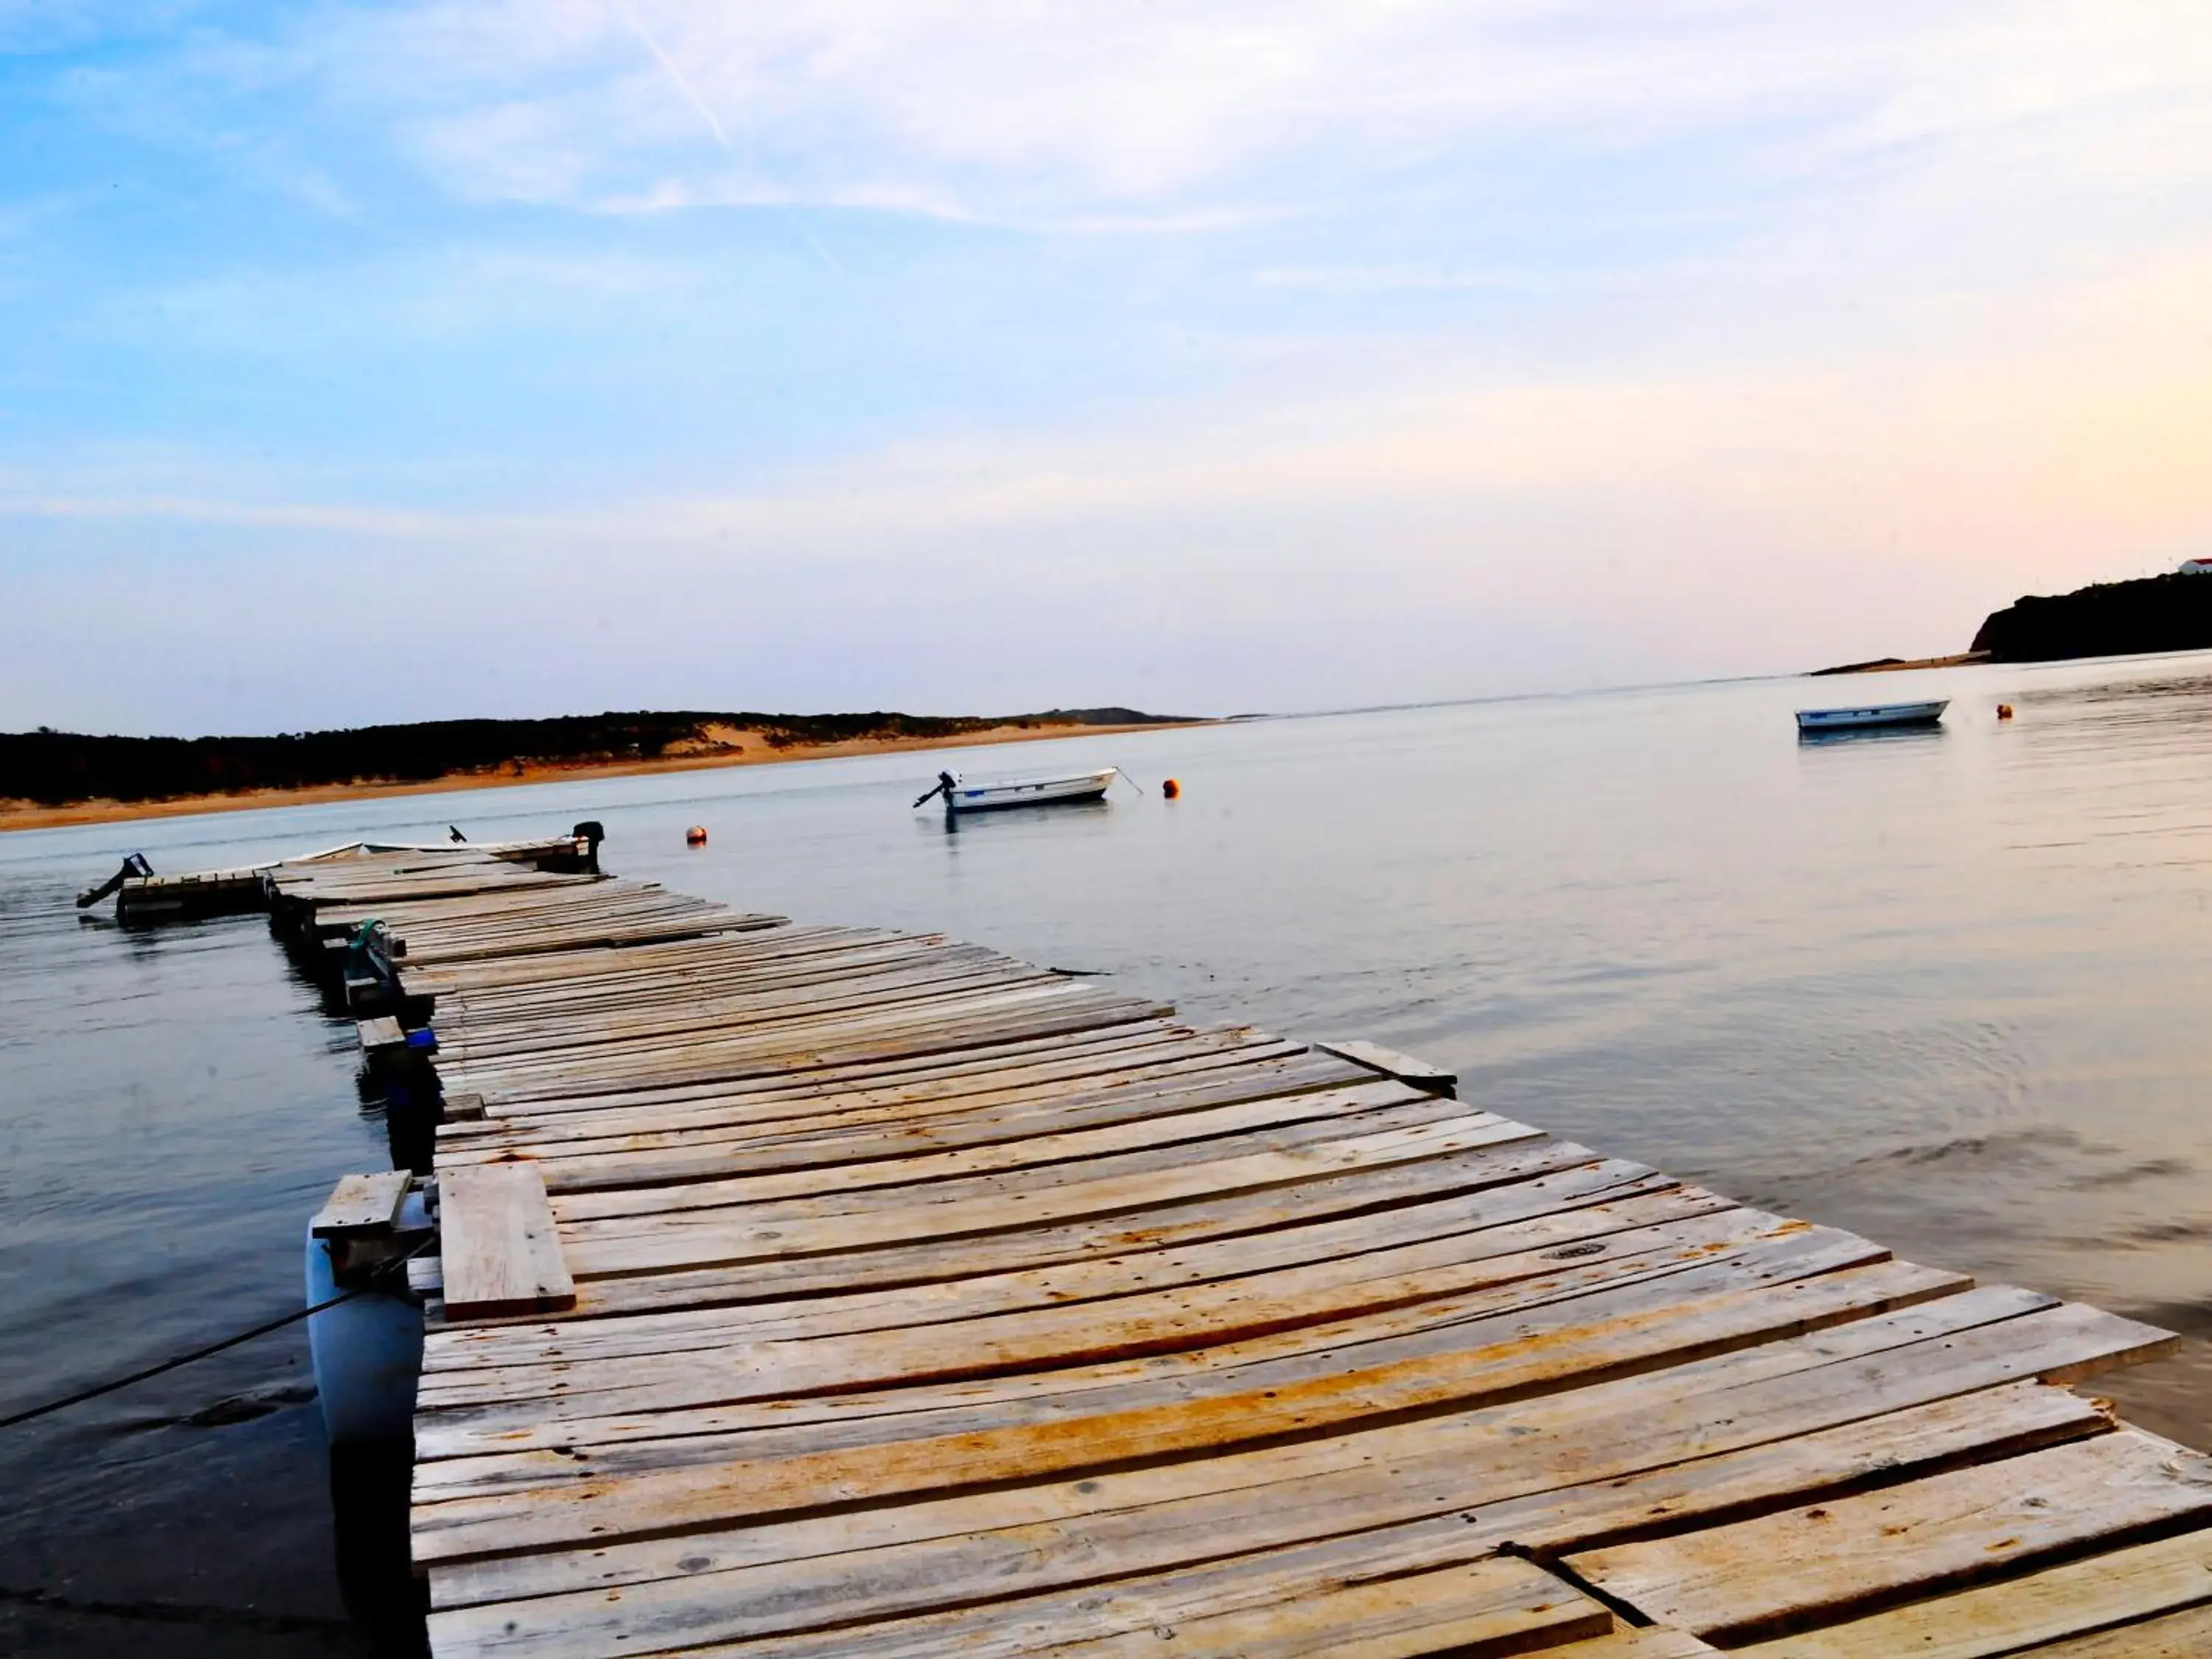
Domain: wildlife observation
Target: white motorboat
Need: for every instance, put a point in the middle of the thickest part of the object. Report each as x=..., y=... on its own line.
x=1881, y=714
x=963, y=797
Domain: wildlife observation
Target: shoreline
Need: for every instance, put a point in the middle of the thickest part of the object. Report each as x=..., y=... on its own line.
x=18, y=815
x=1900, y=665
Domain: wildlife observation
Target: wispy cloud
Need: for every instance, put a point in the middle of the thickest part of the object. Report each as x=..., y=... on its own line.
x=382, y=521
x=1395, y=279
x=1016, y=110
x=2032, y=392
x=1599, y=324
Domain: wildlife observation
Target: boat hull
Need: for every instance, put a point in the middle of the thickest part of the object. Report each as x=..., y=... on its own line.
x=1035, y=791
x=1865, y=719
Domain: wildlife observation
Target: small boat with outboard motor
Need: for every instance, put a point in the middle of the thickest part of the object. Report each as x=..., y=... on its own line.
x=1869, y=716
x=963, y=797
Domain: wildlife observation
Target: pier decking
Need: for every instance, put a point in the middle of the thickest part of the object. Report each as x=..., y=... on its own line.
x=813, y=1291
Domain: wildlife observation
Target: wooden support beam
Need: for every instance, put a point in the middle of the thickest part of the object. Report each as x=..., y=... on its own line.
x=361, y=1205
x=384, y=1032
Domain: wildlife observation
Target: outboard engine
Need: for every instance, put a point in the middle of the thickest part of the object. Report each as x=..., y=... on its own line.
x=135, y=866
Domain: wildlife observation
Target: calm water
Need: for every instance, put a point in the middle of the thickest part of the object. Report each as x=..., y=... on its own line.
x=1948, y=989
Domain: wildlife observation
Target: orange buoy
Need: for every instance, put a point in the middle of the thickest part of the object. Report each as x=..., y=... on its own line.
x=695, y=835
x=1170, y=788
x=2005, y=711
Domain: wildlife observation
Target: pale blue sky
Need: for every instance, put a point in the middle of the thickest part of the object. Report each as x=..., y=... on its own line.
x=398, y=361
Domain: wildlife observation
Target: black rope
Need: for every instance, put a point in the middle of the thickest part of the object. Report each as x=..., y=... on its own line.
x=93, y=1392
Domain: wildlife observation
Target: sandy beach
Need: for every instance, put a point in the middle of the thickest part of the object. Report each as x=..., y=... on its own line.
x=730, y=746
x=1900, y=665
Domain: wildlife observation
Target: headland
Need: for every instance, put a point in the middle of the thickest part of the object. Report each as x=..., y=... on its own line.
x=2170, y=612
x=49, y=779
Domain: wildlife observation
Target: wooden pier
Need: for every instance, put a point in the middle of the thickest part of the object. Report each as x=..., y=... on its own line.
x=143, y=896
x=809, y=1290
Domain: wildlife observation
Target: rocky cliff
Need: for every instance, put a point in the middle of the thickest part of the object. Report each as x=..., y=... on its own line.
x=2112, y=619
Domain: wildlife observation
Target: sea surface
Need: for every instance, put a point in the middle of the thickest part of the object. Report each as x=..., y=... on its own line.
x=1949, y=989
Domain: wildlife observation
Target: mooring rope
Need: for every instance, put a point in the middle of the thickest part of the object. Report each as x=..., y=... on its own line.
x=381, y=1269
x=98, y=1390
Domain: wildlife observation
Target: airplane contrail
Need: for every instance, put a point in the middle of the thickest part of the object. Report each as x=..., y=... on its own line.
x=691, y=93
x=675, y=74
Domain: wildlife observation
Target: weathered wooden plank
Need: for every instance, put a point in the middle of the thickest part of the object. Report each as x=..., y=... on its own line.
x=1819, y=1563
x=706, y=1016
x=361, y=1204
x=816, y=1078
x=1328, y=1191
x=1289, y=1538
x=973, y=1021
x=1390, y=1062
x=1343, y=1293
x=544, y=978
x=1526, y=1315
x=1481, y=1611
x=982, y=1205
x=1023, y=1624
x=1467, y=1231
x=1820, y=1457
x=694, y=1007
x=1654, y=1643
x=1243, y=1109
x=1580, y=1441
x=1518, y=1182
x=1736, y=1251
x=2176, y=1636
x=2029, y=1614
x=697, y=1498
x=501, y=1248
x=890, y=1080
x=831, y=1044
x=932, y=1082
x=638, y=1146
x=795, y=1138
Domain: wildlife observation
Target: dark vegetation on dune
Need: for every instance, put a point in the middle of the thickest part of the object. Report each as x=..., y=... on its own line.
x=2112, y=619
x=56, y=769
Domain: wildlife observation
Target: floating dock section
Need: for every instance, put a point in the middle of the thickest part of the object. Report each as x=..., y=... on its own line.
x=815, y=1290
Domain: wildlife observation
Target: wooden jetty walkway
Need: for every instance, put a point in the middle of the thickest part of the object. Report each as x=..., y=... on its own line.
x=808, y=1291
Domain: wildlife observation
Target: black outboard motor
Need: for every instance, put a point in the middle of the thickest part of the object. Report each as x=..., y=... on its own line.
x=372, y=979
x=135, y=865
x=592, y=832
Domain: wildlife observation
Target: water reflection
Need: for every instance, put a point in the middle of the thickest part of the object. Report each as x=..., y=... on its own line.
x=1926, y=731
x=2180, y=701
x=376, y=1580
x=1004, y=817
